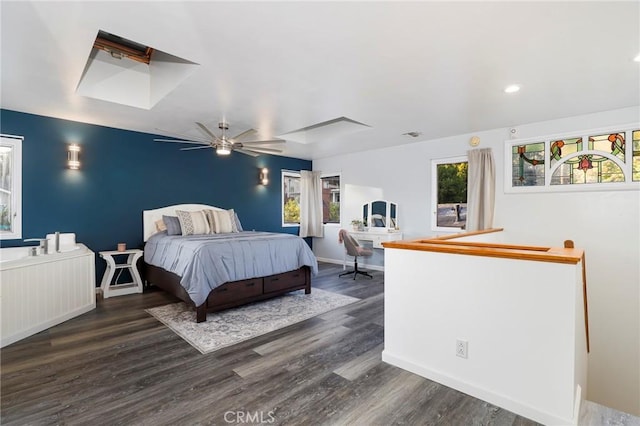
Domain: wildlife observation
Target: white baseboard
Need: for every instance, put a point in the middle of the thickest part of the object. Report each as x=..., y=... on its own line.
x=484, y=394
x=349, y=263
x=7, y=340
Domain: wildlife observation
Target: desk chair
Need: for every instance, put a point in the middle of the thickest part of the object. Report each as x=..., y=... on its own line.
x=353, y=249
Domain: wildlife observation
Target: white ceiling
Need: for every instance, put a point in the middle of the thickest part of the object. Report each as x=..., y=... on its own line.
x=434, y=67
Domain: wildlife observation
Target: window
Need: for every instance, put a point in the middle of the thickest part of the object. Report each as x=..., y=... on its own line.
x=449, y=193
x=600, y=159
x=10, y=187
x=330, y=199
x=290, y=198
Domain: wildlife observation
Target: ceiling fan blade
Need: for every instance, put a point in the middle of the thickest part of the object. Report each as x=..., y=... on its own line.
x=251, y=153
x=181, y=141
x=207, y=131
x=196, y=147
x=243, y=134
x=182, y=136
x=264, y=142
x=262, y=150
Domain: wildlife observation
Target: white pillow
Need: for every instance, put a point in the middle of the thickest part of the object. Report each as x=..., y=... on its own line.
x=160, y=226
x=232, y=218
x=193, y=223
x=211, y=219
x=223, y=223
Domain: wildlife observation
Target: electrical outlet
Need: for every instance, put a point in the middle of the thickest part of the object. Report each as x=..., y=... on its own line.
x=462, y=347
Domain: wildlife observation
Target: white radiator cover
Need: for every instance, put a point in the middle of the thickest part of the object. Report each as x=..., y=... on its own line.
x=45, y=291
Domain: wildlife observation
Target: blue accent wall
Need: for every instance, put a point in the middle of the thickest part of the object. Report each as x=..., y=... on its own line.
x=123, y=173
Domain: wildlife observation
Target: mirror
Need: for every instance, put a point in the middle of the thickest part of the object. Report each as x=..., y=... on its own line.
x=365, y=214
x=379, y=214
x=392, y=215
x=383, y=214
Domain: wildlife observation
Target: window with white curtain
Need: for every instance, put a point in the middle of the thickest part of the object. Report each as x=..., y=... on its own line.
x=449, y=193
x=10, y=187
x=290, y=198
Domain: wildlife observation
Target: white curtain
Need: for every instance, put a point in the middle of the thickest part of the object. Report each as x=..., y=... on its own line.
x=481, y=189
x=310, y=204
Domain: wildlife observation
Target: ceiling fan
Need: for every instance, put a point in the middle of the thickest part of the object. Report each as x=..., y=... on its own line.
x=224, y=144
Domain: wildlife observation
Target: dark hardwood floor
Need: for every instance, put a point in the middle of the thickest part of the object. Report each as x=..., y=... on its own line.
x=119, y=365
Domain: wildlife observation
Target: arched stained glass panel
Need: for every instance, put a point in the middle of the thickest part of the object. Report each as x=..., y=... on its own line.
x=588, y=168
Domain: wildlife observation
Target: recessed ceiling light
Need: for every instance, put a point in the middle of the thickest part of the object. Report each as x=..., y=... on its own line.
x=513, y=88
x=637, y=58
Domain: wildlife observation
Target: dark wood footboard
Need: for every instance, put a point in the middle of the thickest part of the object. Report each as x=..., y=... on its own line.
x=231, y=294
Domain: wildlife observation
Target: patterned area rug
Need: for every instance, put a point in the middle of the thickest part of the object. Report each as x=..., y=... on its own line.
x=235, y=325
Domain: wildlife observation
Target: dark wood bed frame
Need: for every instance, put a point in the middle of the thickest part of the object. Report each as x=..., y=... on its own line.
x=231, y=294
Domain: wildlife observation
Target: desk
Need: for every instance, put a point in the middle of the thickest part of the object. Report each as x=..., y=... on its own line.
x=119, y=289
x=376, y=238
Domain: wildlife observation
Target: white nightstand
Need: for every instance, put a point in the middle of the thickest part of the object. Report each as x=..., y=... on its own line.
x=118, y=289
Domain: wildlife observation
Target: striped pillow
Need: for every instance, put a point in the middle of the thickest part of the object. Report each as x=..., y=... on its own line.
x=211, y=219
x=193, y=223
x=222, y=221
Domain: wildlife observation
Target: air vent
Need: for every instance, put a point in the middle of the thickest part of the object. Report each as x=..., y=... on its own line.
x=412, y=134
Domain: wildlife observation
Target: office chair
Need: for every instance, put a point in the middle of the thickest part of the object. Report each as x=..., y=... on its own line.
x=353, y=249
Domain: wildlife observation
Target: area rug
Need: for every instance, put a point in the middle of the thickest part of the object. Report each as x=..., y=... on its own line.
x=235, y=325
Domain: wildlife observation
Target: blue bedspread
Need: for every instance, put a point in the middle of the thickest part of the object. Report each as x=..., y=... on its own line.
x=205, y=262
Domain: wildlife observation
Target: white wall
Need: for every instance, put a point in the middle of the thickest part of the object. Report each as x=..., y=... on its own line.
x=518, y=358
x=604, y=224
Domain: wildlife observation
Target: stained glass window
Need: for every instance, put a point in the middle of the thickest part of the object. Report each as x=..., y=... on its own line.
x=528, y=164
x=636, y=155
x=562, y=148
x=587, y=168
x=612, y=143
x=564, y=162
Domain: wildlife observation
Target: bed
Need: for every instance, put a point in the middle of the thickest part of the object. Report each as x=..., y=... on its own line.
x=216, y=271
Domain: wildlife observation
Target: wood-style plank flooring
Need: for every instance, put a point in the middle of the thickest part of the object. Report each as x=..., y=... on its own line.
x=118, y=365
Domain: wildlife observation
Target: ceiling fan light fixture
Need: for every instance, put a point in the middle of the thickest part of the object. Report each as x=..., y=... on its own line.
x=224, y=145
x=223, y=149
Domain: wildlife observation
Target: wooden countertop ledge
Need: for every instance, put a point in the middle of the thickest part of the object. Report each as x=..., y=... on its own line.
x=447, y=244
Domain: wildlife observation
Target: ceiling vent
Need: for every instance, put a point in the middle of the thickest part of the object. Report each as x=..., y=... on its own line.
x=326, y=130
x=123, y=71
x=412, y=134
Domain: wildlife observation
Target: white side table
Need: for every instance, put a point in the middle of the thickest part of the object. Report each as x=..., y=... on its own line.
x=110, y=289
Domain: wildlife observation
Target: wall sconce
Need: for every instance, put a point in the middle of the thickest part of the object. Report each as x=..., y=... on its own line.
x=264, y=176
x=73, y=161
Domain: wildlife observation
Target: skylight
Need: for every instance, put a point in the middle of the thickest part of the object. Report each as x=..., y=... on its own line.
x=325, y=130
x=126, y=72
